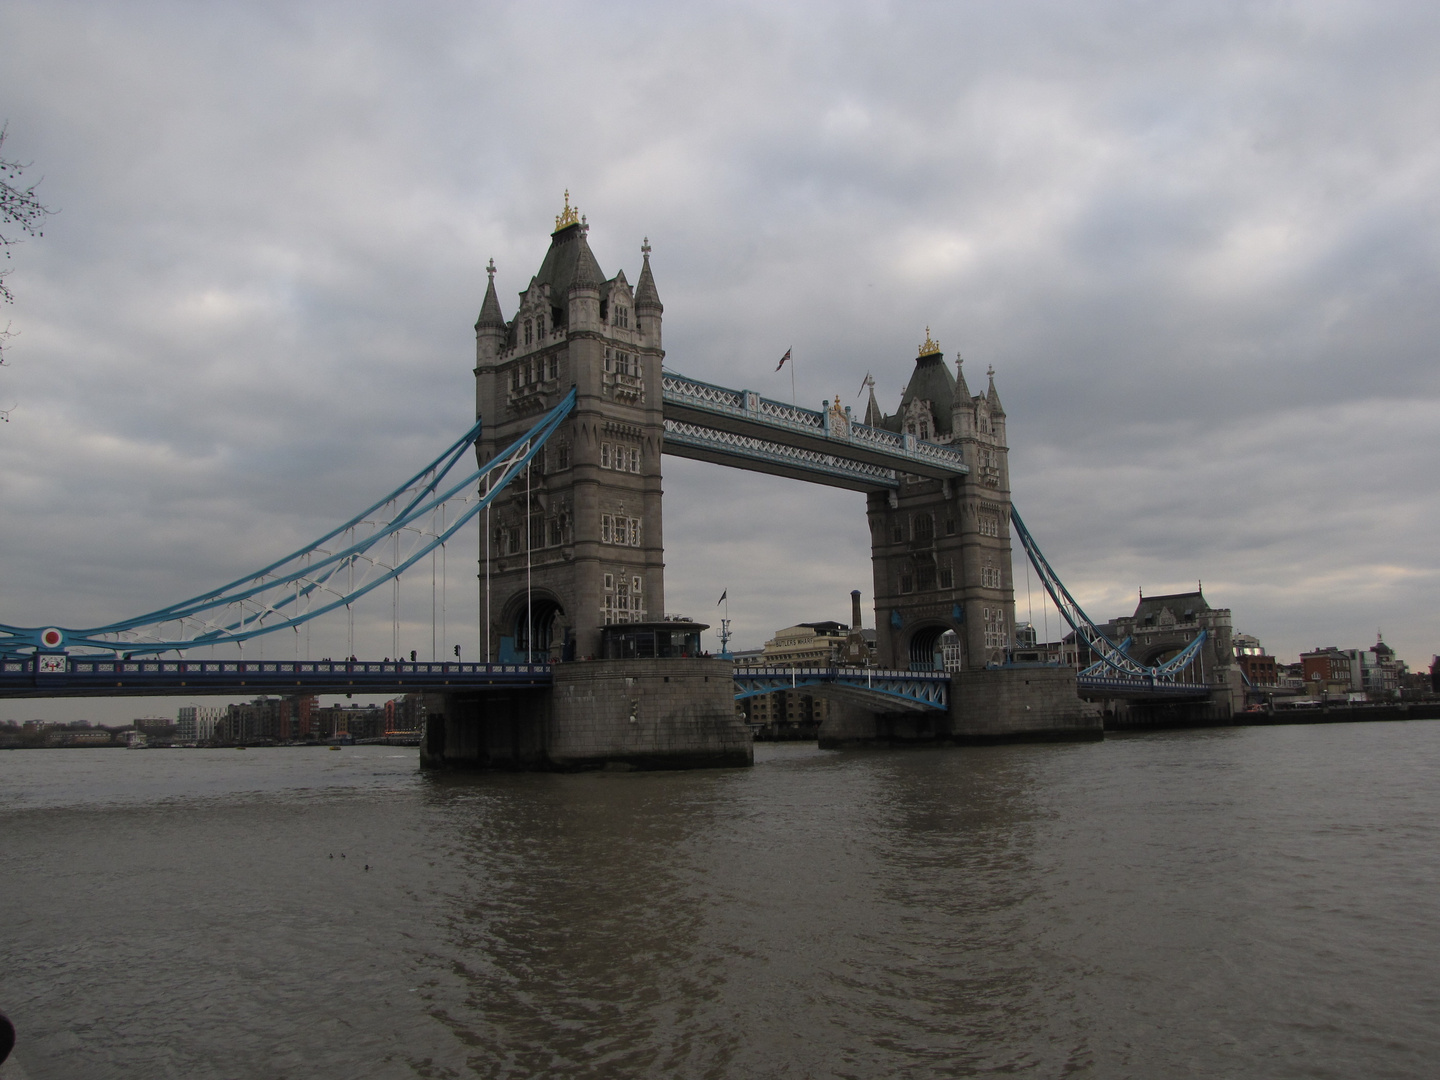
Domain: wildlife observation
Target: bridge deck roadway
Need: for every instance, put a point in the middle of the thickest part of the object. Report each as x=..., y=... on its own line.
x=87, y=677
x=875, y=688
x=1142, y=689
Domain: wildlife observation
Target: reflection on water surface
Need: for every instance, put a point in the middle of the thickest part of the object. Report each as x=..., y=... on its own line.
x=1240, y=902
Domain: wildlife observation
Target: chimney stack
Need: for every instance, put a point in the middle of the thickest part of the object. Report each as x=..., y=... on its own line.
x=855, y=610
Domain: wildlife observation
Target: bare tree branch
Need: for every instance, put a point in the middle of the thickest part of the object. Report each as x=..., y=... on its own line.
x=19, y=206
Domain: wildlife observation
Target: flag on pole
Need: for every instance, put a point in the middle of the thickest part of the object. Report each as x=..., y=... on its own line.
x=723, y=595
x=782, y=360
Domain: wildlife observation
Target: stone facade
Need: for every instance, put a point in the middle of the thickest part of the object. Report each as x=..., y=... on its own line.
x=940, y=549
x=631, y=714
x=1021, y=704
x=1164, y=625
x=575, y=543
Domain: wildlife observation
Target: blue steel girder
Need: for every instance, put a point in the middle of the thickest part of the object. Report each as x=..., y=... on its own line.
x=343, y=565
x=1125, y=687
x=1112, y=656
x=762, y=455
x=1170, y=668
x=910, y=690
x=91, y=676
x=744, y=430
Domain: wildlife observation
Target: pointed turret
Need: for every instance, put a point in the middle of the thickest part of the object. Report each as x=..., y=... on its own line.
x=962, y=391
x=490, y=328
x=873, y=416
x=648, y=309
x=645, y=294
x=992, y=398
x=588, y=274
x=490, y=315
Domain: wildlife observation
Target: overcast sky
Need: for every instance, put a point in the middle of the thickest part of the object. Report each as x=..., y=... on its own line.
x=1198, y=243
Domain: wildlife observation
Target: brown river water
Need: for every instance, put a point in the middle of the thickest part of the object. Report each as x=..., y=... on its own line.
x=1252, y=902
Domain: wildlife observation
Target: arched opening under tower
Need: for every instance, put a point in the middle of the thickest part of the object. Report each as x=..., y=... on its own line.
x=537, y=632
x=936, y=648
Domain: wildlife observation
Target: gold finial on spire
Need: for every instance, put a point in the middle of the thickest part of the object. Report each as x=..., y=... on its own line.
x=930, y=348
x=567, y=217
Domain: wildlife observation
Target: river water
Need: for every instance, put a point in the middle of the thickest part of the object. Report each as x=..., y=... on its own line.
x=1251, y=902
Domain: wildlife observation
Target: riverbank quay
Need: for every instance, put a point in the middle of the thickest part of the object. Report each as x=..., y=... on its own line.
x=1173, y=718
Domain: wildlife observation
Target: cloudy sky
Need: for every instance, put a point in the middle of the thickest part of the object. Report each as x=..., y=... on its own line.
x=1198, y=243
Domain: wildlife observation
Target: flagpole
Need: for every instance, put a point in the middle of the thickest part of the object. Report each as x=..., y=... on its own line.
x=792, y=381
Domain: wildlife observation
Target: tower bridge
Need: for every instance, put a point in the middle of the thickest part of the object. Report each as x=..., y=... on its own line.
x=575, y=409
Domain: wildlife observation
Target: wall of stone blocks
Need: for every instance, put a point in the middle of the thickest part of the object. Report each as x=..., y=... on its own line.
x=848, y=725
x=646, y=714
x=1020, y=704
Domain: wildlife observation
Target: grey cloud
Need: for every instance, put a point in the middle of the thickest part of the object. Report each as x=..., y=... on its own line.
x=1198, y=243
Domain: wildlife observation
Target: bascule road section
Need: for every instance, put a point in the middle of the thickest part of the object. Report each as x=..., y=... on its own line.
x=88, y=676
x=581, y=666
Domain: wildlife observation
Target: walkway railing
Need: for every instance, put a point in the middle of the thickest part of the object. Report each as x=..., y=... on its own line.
x=85, y=674
x=827, y=444
x=923, y=689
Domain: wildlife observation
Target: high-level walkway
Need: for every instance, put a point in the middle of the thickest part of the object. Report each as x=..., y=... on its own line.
x=741, y=429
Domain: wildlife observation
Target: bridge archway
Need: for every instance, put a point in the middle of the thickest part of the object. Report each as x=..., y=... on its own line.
x=542, y=620
x=936, y=648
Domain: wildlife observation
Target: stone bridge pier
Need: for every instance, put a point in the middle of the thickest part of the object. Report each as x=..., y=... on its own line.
x=997, y=705
x=660, y=713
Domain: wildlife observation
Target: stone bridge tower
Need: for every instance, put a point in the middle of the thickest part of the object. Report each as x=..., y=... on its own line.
x=577, y=544
x=940, y=550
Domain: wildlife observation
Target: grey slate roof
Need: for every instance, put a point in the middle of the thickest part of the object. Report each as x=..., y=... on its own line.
x=1178, y=603
x=568, y=262
x=931, y=381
